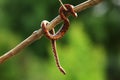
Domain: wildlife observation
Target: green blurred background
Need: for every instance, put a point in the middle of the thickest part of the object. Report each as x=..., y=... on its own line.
x=89, y=51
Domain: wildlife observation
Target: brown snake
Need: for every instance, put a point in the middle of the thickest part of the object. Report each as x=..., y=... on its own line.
x=63, y=13
x=51, y=34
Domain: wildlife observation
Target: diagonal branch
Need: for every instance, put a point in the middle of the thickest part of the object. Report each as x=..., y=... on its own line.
x=38, y=34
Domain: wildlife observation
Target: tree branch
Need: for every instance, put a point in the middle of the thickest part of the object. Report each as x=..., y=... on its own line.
x=38, y=34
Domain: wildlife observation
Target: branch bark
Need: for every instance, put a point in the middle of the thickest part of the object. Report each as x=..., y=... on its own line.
x=38, y=33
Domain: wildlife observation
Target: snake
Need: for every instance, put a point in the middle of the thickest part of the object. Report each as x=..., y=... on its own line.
x=60, y=33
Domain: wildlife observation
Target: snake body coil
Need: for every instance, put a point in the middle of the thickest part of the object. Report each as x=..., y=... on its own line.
x=51, y=34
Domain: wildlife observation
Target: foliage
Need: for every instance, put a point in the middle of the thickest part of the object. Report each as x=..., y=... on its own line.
x=90, y=47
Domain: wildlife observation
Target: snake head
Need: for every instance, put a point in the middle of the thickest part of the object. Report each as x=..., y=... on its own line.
x=72, y=11
x=69, y=10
